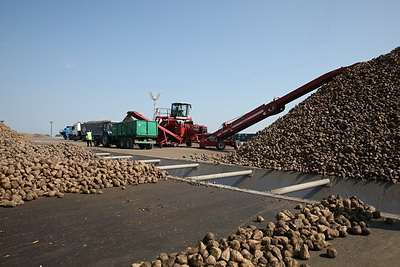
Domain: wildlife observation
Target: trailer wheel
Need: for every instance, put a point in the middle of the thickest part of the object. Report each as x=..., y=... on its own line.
x=188, y=144
x=105, y=140
x=220, y=145
x=142, y=146
x=149, y=146
x=129, y=143
x=122, y=143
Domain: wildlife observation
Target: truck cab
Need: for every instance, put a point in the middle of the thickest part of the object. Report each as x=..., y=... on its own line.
x=76, y=131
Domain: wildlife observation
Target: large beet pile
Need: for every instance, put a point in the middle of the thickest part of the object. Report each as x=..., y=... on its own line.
x=349, y=128
x=29, y=171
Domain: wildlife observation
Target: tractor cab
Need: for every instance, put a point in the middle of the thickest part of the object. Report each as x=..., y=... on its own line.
x=180, y=110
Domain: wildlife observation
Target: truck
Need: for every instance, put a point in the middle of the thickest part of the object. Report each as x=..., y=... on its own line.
x=244, y=137
x=126, y=134
x=79, y=129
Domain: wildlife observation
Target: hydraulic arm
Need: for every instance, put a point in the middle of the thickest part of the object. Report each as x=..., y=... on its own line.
x=276, y=106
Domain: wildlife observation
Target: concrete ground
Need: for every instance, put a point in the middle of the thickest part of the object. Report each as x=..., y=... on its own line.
x=121, y=227
x=181, y=152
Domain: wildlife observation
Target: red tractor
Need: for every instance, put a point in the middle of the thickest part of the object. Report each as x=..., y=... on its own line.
x=176, y=127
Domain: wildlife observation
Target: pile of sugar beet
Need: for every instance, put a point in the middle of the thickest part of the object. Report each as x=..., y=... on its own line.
x=349, y=128
x=280, y=243
x=29, y=170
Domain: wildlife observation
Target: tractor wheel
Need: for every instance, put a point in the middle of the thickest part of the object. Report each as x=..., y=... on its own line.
x=105, y=140
x=188, y=144
x=220, y=145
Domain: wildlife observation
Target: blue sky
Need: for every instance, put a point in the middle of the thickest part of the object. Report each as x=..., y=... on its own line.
x=69, y=61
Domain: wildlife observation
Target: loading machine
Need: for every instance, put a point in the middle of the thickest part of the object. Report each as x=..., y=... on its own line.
x=176, y=127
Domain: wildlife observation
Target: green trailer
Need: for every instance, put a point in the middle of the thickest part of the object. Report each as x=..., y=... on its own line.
x=127, y=134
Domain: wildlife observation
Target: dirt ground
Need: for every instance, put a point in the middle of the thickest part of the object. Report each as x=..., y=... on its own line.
x=121, y=227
